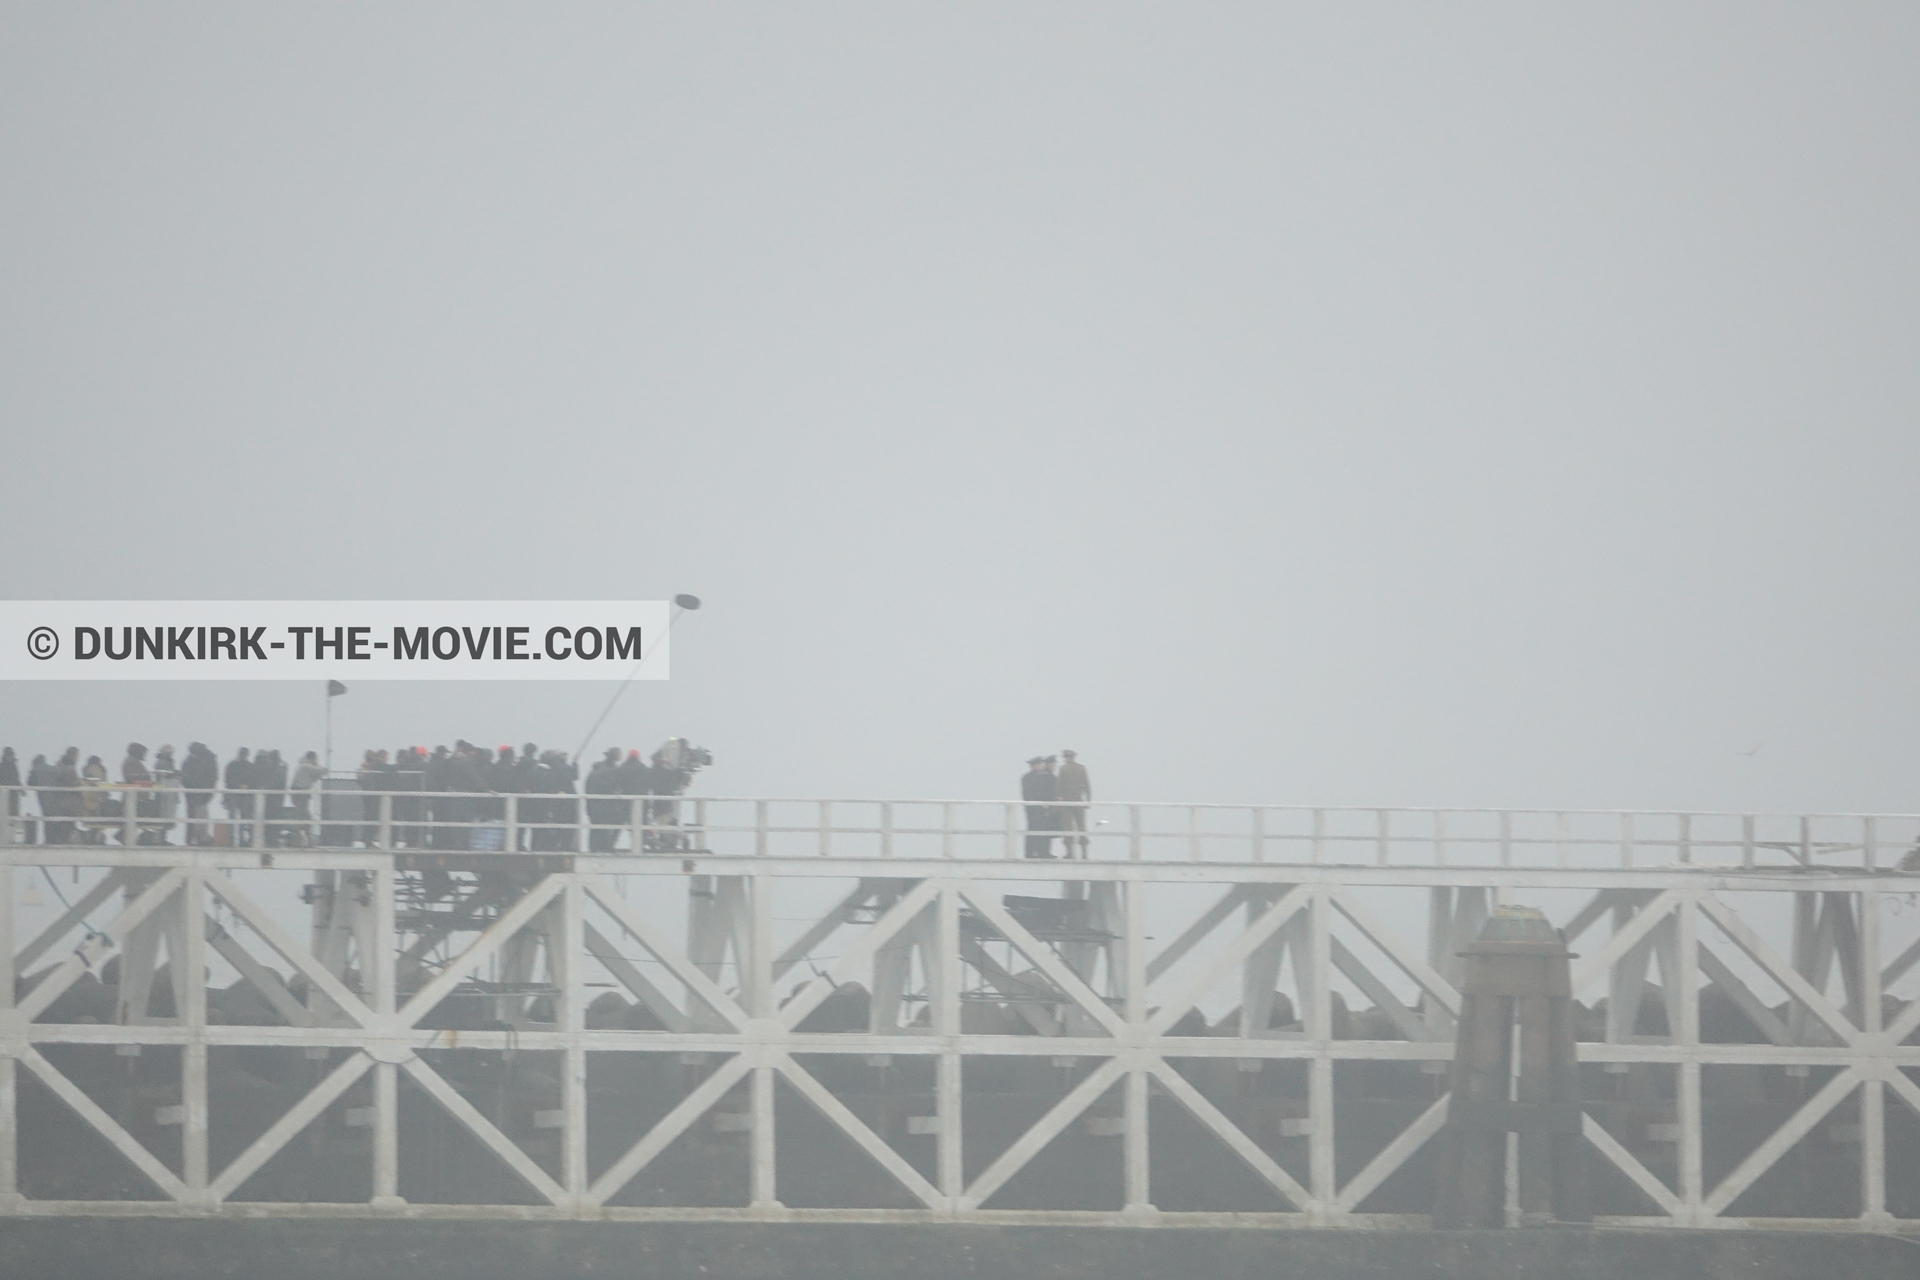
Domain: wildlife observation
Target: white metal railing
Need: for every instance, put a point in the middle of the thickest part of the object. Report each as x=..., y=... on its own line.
x=957, y=829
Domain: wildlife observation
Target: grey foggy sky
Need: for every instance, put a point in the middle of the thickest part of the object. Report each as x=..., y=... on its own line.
x=1466, y=405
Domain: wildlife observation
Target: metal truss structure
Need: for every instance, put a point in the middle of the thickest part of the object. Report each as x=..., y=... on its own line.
x=1192, y=947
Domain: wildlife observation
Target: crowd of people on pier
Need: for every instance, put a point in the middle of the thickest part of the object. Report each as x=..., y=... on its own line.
x=461, y=801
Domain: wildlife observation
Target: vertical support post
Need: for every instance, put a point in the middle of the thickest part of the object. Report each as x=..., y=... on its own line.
x=1626, y=840
x=1319, y=836
x=1873, y=1097
x=757, y=982
x=826, y=832
x=386, y=1137
x=763, y=1153
x=1134, y=953
x=191, y=981
x=129, y=826
x=886, y=828
x=1320, y=1083
x=259, y=806
x=946, y=829
x=1013, y=836
x=1806, y=928
x=1259, y=834
x=1746, y=840
x=6, y=936
x=378, y=967
x=1686, y=926
x=9, y=1138
x=383, y=990
x=1138, y=1153
x=1686, y=837
x=1138, y=1187
x=386, y=821
x=511, y=840
x=570, y=952
x=946, y=1019
x=1506, y=838
x=9, y=1122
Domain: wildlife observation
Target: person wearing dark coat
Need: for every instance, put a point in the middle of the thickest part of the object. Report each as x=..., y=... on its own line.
x=636, y=779
x=526, y=770
x=65, y=800
x=467, y=771
x=10, y=780
x=40, y=777
x=199, y=775
x=605, y=815
x=409, y=773
x=486, y=775
x=1038, y=784
x=437, y=776
x=524, y=777
x=270, y=775
x=234, y=798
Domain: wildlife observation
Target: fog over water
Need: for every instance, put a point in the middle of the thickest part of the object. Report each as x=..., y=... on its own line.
x=1479, y=405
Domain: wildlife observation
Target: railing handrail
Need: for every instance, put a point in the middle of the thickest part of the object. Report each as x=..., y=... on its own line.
x=1212, y=805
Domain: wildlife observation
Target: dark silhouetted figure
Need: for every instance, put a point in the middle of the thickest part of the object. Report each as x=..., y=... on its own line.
x=235, y=797
x=438, y=779
x=270, y=776
x=605, y=815
x=409, y=774
x=10, y=781
x=65, y=801
x=1038, y=784
x=40, y=778
x=199, y=775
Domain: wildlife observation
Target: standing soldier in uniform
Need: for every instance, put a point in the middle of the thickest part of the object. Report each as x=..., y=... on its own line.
x=1038, y=784
x=1073, y=785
